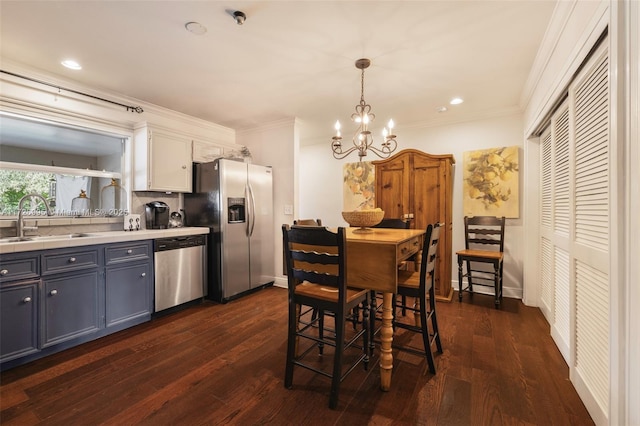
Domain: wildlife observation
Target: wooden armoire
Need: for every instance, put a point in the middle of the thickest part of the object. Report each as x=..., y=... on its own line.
x=418, y=187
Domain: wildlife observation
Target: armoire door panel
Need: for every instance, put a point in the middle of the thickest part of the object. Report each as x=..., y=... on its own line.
x=392, y=182
x=419, y=184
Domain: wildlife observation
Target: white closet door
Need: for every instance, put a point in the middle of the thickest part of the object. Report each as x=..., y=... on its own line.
x=590, y=246
x=547, y=294
x=574, y=229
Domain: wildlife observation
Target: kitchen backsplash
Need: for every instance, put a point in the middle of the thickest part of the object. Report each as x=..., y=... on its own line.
x=140, y=198
x=66, y=225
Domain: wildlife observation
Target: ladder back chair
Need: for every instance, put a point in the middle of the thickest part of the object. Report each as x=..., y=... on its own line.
x=316, y=267
x=421, y=286
x=483, y=255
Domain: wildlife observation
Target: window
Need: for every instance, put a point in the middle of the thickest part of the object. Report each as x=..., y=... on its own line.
x=60, y=162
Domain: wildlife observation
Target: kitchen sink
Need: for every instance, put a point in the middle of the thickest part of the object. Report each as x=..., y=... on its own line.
x=44, y=237
x=15, y=239
x=60, y=237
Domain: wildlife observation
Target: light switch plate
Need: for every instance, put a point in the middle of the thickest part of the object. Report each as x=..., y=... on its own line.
x=288, y=209
x=132, y=222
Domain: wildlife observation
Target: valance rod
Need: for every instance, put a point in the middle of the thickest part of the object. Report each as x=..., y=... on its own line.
x=137, y=109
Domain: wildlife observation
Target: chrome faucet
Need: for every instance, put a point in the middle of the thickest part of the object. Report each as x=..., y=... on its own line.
x=20, y=228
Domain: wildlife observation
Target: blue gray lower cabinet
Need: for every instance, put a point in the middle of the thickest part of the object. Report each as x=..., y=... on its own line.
x=55, y=299
x=19, y=319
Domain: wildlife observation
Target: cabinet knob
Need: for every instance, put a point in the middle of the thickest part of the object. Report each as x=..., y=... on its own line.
x=26, y=300
x=184, y=167
x=129, y=251
x=72, y=260
x=144, y=274
x=4, y=272
x=53, y=292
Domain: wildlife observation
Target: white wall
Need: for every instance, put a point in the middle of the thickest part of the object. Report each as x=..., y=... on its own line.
x=321, y=180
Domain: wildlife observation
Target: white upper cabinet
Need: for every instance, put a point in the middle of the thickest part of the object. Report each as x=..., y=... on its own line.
x=162, y=160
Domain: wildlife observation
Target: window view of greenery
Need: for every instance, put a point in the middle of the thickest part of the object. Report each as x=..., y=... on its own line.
x=66, y=195
x=15, y=184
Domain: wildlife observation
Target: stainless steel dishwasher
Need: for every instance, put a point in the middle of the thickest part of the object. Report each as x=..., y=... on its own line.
x=179, y=270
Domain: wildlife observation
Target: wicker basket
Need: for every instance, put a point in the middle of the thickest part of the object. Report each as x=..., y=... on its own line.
x=363, y=219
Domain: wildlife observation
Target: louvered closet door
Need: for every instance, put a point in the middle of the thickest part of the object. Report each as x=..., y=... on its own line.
x=574, y=224
x=555, y=220
x=590, y=248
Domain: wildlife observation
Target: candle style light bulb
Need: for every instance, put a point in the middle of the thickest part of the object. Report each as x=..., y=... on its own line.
x=384, y=132
x=365, y=119
x=337, y=127
x=390, y=125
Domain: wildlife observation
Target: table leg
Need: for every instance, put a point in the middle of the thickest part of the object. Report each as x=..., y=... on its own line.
x=386, y=339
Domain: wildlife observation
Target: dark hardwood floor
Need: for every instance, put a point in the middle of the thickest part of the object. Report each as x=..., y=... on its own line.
x=224, y=364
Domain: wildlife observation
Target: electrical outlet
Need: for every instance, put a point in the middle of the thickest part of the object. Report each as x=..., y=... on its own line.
x=132, y=222
x=288, y=209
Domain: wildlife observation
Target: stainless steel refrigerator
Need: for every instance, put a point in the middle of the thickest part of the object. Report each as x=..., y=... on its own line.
x=235, y=200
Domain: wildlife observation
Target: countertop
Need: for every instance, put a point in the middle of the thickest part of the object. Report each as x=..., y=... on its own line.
x=98, y=238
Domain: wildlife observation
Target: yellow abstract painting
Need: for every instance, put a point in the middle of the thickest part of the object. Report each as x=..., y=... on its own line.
x=490, y=182
x=358, y=186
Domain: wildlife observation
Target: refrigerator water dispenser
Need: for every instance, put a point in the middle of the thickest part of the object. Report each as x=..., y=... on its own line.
x=236, y=210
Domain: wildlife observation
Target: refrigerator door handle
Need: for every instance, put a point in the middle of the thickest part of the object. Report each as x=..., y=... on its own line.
x=252, y=212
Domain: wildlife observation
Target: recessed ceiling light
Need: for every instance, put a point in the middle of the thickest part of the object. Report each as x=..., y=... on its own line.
x=441, y=109
x=196, y=28
x=71, y=64
x=456, y=101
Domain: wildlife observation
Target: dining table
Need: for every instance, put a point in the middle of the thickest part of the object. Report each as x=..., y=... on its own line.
x=373, y=256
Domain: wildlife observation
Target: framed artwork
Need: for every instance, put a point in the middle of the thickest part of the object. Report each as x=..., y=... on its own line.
x=490, y=182
x=358, y=186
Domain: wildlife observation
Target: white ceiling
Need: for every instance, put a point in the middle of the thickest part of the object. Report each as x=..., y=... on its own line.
x=290, y=58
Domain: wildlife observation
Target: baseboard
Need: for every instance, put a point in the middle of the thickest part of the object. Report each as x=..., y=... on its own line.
x=510, y=292
x=596, y=412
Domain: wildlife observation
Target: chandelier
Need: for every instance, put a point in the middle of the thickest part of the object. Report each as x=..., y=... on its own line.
x=362, y=139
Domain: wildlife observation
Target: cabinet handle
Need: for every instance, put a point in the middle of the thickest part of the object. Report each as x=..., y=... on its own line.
x=72, y=260
x=144, y=274
x=53, y=292
x=4, y=272
x=26, y=300
x=129, y=251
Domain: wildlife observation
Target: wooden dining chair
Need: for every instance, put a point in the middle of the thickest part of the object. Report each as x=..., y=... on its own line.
x=420, y=285
x=484, y=245
x=316, y=267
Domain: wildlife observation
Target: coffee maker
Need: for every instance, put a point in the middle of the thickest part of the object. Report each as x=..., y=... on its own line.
x=157, y=215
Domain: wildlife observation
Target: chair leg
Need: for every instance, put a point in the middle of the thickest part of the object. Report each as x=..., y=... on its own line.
x=404, y=306
x=337, y=361
x=425, y=334
x=355, y=314
x=372, y=320
x=292, y=342
x=365, y=335
x=496, y=284
x=434, y=318
x=469, y=277
x=321, y=332
x=459, y=280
